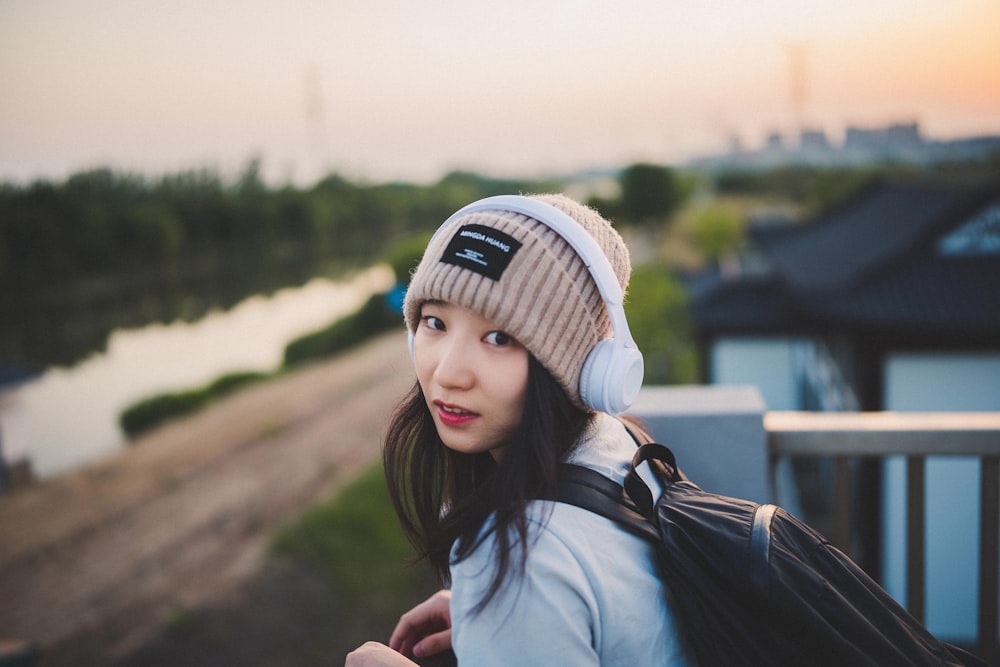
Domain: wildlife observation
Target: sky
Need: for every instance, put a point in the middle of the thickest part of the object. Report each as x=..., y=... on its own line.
x=384, y=90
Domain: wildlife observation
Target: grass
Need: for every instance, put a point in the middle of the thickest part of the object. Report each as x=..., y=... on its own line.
x=374, y=317
x=355, y=539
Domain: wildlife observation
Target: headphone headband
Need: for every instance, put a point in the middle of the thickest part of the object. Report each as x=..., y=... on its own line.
x=566, y=227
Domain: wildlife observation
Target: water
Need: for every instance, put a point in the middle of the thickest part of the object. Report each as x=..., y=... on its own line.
x=70, y=416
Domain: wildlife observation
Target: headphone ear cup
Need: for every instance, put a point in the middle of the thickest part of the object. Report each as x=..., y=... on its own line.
x=628, y=370
x=611, y=377
x=592, y=376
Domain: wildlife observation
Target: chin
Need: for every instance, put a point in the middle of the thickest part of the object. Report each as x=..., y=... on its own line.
x=461, y=445
x=464, y=443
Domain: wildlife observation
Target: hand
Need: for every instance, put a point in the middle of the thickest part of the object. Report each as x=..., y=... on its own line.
x=425, y=629
x=373, y=654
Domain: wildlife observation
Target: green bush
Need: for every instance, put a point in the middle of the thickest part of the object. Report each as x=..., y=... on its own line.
x=150, y=412
x=147, y=413
x=658, y=318
x=404, y=255
x=233, y=381
x=374, y=317
x=717, y=230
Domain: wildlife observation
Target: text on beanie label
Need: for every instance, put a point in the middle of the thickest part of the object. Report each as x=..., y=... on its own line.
x=481, y=249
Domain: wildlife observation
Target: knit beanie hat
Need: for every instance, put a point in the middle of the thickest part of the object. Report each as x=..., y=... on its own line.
x=537, y=290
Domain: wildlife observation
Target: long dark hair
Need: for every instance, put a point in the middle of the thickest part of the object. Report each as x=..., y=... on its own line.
x=444, y=498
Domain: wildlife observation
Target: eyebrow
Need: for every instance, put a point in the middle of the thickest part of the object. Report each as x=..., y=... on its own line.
x=440, y=303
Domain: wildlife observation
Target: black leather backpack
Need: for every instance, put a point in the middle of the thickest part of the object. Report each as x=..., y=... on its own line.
x=751, y=584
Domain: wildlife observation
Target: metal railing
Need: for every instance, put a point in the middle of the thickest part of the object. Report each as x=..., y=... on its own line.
x=914, y=436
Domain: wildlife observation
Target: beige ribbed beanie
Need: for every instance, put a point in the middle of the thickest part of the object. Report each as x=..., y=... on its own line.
x=534, y=286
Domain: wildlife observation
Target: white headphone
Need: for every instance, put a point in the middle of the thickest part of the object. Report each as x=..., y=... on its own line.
x=612, y=373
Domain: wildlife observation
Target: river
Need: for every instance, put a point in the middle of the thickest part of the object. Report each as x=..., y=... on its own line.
x=69, y=416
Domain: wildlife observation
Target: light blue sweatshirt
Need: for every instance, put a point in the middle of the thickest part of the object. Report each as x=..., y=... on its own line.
x=590, y=594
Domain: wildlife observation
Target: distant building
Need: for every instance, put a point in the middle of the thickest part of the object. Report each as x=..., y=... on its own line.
x=903, y=134
x=899, y=135
x=813, y=140
x=897, y=142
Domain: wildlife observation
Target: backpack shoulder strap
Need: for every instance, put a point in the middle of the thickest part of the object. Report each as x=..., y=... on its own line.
x=590, y=490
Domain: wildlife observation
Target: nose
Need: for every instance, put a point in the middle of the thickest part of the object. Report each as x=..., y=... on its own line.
x=455, y=368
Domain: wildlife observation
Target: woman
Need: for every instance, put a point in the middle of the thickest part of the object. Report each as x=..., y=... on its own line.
x=520, y=352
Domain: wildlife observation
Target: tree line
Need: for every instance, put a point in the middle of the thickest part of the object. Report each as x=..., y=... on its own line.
x=103, y=222
x=106, y=249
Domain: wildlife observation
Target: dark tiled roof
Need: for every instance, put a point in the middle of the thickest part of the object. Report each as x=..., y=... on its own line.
x=756, y=305
x=869, y=266
x=885, y=221
x=932, y=296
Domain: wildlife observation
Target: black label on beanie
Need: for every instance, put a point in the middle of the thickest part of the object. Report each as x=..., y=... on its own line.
x=481, y=249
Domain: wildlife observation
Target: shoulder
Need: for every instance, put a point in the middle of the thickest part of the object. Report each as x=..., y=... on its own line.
x=547, y=612
x=573, y=555
x=554, y=532
x=585, y=588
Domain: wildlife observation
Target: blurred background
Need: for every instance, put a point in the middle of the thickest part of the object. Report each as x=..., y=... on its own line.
x=202, y=201
x=381, y=92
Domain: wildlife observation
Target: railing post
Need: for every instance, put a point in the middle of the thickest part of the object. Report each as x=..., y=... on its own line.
x=842, y=503
x=915, y=436
x=915, y=545
x=989, y=507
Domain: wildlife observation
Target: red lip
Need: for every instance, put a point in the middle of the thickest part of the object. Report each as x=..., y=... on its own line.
x=447, y=415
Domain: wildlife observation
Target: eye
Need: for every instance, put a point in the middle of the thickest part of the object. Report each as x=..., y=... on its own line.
x=498, y=338
x=433, y=323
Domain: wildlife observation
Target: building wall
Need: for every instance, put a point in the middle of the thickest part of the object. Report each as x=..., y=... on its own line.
x=773, y=365
x=770, y=364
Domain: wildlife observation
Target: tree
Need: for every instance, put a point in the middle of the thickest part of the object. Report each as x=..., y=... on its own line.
x=650, y=193
x=717, y=231
x=657, y=311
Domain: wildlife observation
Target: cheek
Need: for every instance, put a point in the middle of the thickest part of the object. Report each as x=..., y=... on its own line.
x=515, y=385
x=424, y=379
x=421, y=363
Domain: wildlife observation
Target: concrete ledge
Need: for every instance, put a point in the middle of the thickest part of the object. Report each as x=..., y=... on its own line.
x=716, y=432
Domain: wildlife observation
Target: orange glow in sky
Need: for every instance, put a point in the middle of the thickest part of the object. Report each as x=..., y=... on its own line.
x=383, y=90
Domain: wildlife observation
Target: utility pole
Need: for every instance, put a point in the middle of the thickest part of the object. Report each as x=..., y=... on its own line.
x=315, y=117
x=797, y=80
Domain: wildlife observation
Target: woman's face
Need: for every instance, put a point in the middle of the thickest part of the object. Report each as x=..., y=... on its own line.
x=473, y=376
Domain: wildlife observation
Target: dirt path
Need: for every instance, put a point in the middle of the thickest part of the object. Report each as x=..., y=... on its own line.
x=185, y=514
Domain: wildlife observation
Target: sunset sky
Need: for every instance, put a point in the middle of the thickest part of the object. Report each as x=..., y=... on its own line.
x=380, y=89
